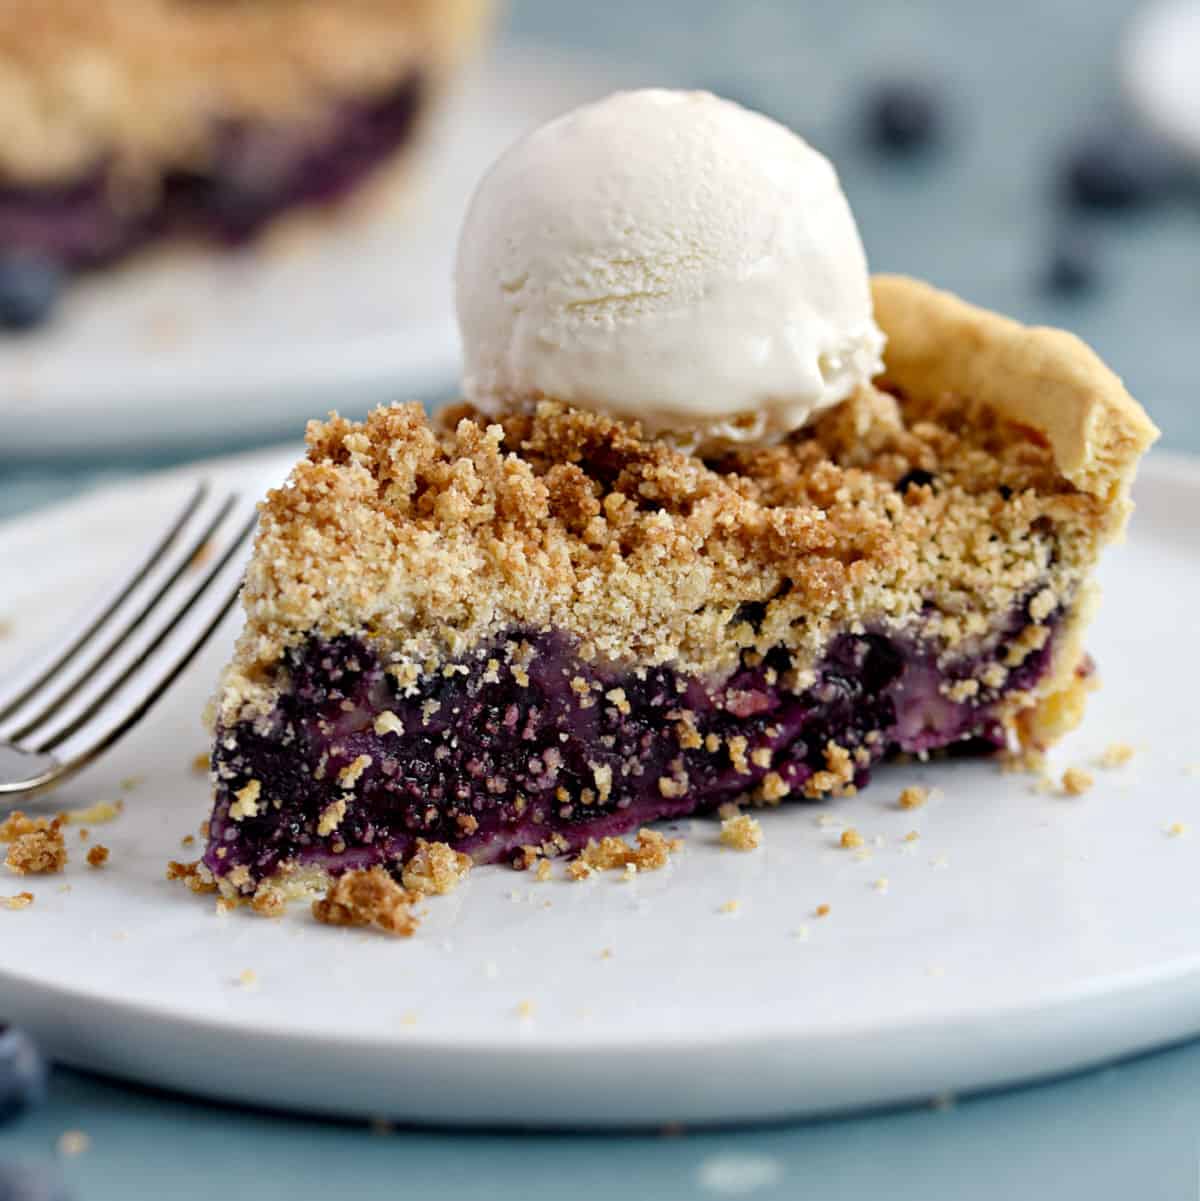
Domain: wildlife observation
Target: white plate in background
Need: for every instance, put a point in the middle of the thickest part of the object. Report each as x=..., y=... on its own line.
x=1023, y=934
x=210, y=345
x=1161, y=73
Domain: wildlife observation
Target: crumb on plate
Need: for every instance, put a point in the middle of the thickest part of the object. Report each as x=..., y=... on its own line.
x=742, y=833
x=1076, y=781
x=368, y=898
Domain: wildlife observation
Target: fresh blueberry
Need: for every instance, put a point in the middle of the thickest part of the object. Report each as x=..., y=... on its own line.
x=27, y=1182
x=22, y=1073
x=30, y=285
x=1117, y=169
x=1072, y=267
x=904, y=116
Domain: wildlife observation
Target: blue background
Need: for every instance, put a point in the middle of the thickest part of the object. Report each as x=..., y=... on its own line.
x=1023, y=80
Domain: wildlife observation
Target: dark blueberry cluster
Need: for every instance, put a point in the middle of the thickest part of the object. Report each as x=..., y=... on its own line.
x=525, y=741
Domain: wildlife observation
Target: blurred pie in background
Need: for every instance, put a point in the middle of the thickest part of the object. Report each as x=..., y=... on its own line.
x=124, y=123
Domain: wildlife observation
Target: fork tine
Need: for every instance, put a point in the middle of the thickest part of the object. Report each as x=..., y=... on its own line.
x=95, y=736
x=121, y=679
x=39, y=703
x=47, y=664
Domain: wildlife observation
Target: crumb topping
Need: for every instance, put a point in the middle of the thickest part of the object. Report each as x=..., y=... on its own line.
x=653, y=851
x=22, y=900
x=98, y=856
x=570, y=520
x=1116, y=754
x=368, y=898
x=435, y=868
x=741, y=832
x=1076, y=781
x=851, y=838
x=38, y=851
x=913, y=797
x=194, y=875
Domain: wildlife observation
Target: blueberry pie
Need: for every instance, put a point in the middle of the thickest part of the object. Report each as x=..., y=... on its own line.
x=543, y=618
x=126, y=121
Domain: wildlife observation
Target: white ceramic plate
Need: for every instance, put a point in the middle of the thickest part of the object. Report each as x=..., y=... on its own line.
x=1159, y=66
x=208, y=345
x=1023, y=934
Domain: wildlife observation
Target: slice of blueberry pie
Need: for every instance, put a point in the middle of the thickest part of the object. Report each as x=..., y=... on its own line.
x=691, y=542
x=127, y=121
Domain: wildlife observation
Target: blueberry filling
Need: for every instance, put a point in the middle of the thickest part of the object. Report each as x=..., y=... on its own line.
x=255, y=173
x=494, y=752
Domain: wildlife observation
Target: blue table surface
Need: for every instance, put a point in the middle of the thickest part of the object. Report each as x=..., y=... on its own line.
x=1022, y=80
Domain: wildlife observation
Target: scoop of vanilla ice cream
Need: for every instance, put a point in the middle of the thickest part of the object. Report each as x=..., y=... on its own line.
x=670, y=257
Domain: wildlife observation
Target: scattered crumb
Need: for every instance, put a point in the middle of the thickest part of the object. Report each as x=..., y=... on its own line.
x=435, y=868
x=248, y=978
x=882, y=884
x=913, y=797
x=742, y=833
x=526, y=1010
x=21, y=901
x=652, y=852
x=84, y=833
x=97, y=856
x=16, y=824
x=1076, y=781
x=822, y=911
x=39, y=852
x=607, y=953
x=366, y=898
x=544, y=871
x=94, y=815
x=912, y=836
x=73, y=1142
x=200, y=763
x=1116, y=754
x=1026, y=761
x=851, y=838
x=188, y=840
x=728, y=809
x=195, y=875
x=731, y=906
x=1177, y=830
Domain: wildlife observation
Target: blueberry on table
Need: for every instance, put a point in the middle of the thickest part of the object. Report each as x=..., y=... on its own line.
x=1072, y=267
x=904, y=116
x=30, y=285
x=22, y=1073
x=28, y=1182
x=1121, y=168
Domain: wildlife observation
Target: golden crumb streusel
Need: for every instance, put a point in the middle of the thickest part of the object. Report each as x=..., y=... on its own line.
x=742, y=832
x=913, y=797
x=851, y=838
x=653, y=851
x=570, y=520
x=368, y=898
x=98, y=856
x=38, y=851
x=1116, y=754
x=1076, y=781
x=435, y=868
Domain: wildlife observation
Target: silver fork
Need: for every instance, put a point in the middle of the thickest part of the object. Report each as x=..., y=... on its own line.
x=109, y=666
